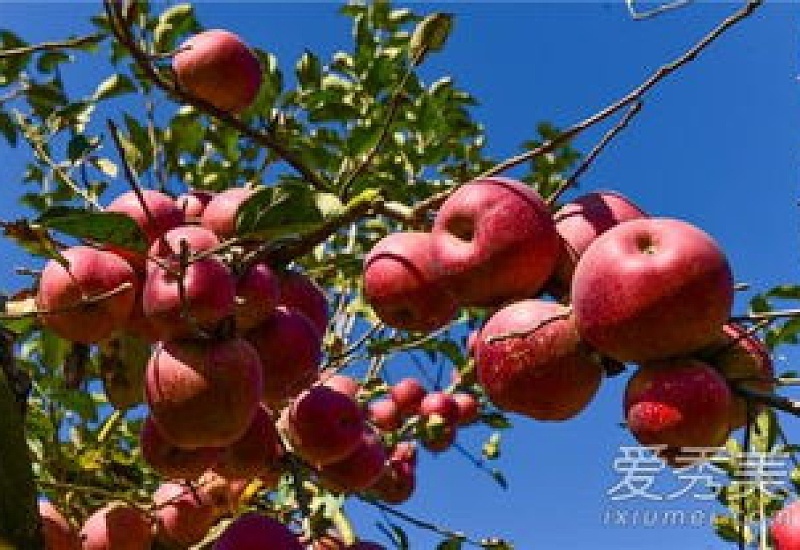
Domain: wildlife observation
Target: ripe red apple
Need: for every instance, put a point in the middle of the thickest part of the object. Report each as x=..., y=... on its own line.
x=117, y=526
x=193, y=203
x=57, y=532
x=218, y=67
x=257, y=296
x=439, y=403
x=91, y=273
x=650, y=289
x=678, y=403
x=403, y=284
x=221, y=492
x=256, y=532
x=300, y=293
x=408, y=394
x=220, y=213
x=360, y=469
x=170, y=461
x=579, y=223
x=494, y=240
x=743, y=360
x=164, y=213
x=397, y=482
x=468, y=408
x=198, y=239
x=290, y=349
x=183, y=517
x=548, y=373
x=178, y=305
x=785, y=527
x=437, y=433
x=384, y=415
x=203, y=393
x=404, y=451
x=341, y=383
x=257, y=452
x=324, y=426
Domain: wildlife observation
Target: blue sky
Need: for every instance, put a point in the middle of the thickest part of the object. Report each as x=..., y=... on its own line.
x=717, y=145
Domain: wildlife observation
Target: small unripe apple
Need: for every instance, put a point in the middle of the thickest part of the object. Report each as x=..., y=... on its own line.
x=57, y=532
x=203, y=393
x=117, y=526
x=63, y=293
x=218, y=67
x=182, y=516
x=408, y=394
x=324, y=425
x=256, y=532
x=403, y=285
x=494, y=240
x=220, y=213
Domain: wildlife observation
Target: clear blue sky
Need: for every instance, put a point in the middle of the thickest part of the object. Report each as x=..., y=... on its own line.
x=716, y=145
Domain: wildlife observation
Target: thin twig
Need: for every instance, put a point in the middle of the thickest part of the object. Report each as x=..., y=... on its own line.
x=130, y=175
x=55, y=45
x=85, y=301
x=63, y=176
x=634, y=95
x=775, y=401
x=753, y=317
x=267, y=139
x=595, y=152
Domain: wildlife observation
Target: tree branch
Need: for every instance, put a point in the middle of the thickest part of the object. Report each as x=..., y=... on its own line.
x=633, y=96
x=266, y=139
x=54, y=46
x=772, y=400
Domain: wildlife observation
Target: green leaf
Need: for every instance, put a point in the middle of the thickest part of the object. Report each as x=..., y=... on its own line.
x=451, y=544
x=282, y=210
x=729, y=529
x=173, y=22
x=48, y=61
x=309, y=70
x=430, y=35
x=498, y=476
x=114, y=85
x=496, y=420
x=102, y=227
x=8, y=129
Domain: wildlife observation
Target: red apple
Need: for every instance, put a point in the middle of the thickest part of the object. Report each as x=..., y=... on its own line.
x=178, y=305
x=650, y=289
x=494, y=240
x=63, y=293
x=397, y=482
x=468, y=408
x=220, y=213
x=57, y=532
x=579, y=223
x=256, y=532
x=197, y=239
x=360, y=469
x=405, y=451
x=743, y=360
x=408, y=394
x=785, y=527
x=221, y=492
x=545, y=372
x=385, y=415
x=678, y=403
x=183, y=517
x=257, y=296
x=257, y=452
x=117, y=526
x=300, y=293
x=324, y=426
x=164, y=214
x=218, y=67
x=290, y=349
x=170, y=461
x=402, y=283
x=193, y=203
x=439, y=403
x=203, y=393
x=341, y=383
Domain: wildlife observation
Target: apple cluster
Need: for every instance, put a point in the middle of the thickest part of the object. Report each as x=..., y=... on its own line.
x=572, y=295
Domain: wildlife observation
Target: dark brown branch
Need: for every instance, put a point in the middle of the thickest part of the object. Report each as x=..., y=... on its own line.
x=633, y=96
x=54, y=46
x=595, y=152
x=266, y=139
x=772, y=400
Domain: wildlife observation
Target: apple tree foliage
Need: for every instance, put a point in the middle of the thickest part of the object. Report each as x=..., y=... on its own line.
x=346, y=149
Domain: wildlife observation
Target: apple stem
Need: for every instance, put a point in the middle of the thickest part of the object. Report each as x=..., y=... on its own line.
x=524, y=333
x=609, y=136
